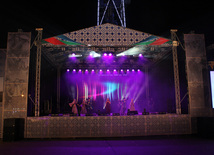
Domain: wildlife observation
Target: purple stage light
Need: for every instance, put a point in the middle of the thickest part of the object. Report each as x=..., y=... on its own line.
x=74, y=70
x=127, y=70
x=86, y=70
x=121, y=70
x=92, y=70
x=140, y=55
x=138, y=70
x=105, y=54
x=68, y=70
x=80, y=70
x=107, y=70
x=132, y=70
x=100, y=70
x=114, y=70
x=109, y=54
x=73, y=54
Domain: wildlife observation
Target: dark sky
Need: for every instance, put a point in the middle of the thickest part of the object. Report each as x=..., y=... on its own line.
x=151, y=16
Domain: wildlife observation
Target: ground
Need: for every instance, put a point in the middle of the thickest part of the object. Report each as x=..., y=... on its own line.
x=173, y=145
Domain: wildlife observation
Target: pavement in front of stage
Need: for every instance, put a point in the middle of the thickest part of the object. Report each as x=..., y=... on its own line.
x=173, y=145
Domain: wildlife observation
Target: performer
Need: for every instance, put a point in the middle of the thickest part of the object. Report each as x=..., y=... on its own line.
x=123, y=106
x=108, y=106
x=132, y=108
x=73, y=105
x=89, y=105
x=83, y=109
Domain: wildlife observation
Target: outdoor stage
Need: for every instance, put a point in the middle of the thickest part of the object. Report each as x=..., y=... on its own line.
x=107, y=126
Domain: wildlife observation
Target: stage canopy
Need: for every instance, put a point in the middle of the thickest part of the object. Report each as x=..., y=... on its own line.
x=105, y=38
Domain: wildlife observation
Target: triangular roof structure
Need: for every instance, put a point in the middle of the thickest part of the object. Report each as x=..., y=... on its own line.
x=106, y=35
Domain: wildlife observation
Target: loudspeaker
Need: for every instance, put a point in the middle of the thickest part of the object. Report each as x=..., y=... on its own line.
x=116, y=114
x=145, y=113
x=132, y=113
x=13, y=129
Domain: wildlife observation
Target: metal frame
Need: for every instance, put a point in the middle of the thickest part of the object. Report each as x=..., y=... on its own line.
x=38, y=44
x=120, y=13
x=176, y=71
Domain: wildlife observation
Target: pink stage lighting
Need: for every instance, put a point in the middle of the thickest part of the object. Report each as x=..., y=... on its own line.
x=132, y=70
x=68, y=70
x=127, y=70
x=80, y=70
x=107, y=70
x=74, y=70
x=138, y=70
x=105, y=54
x=140, y=55
x=109, y=54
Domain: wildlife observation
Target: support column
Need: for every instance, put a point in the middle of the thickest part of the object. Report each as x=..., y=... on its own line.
x=38, y=44
x=58, y=90
x=176, y=71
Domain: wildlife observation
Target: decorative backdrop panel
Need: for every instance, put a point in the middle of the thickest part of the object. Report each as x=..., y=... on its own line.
x=16, y=75
x=107, y=126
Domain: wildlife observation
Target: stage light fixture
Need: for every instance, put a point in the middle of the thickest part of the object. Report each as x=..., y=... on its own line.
x=74, y=70
x=132, y=70
x=105, y=54
x=127, y=70
x=140, y=55
x=68, y=70
x=110, y=54
x=138, y=70
x=86, y=70
x=114, y=70
x=100, y=70
x=107, y=70
x=80, y=70
x=92, y=70
x=121, y=70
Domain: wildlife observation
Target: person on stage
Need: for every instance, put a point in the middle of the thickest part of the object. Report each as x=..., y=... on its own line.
x=73, y=105
x=108, y=106
x=123, y=106
x=83, y=109
x=89, y=105
x=132, y=108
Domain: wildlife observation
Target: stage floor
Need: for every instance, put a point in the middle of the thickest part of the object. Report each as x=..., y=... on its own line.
x=107, y=126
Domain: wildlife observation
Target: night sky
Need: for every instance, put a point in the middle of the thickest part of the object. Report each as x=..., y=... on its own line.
x=153, y=16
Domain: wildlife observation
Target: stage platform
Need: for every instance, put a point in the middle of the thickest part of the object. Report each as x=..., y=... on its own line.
x=107, y=126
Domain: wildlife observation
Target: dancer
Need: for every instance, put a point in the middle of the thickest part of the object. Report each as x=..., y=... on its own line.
x=108, y=106
x=89, y=105
x=123, y=106
x=132, y=108
x=83, y=109
x=73, y=105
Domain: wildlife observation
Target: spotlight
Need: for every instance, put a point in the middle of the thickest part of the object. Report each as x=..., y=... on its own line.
x=109, y=54
x=140, y=55
x=114, y=70
x=74, y=70
x=80, y=70
x=132, y=70
x=92, y=70
x=138, y=70
x=73, y=54
x=105, y=54
x=100, y=70
x=121, y=70
x=68, y=70
x=86, y=70
x=127, y=70
x=107, y=70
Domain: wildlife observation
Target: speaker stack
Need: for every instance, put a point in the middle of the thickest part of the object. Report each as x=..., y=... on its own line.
x=13, y=129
